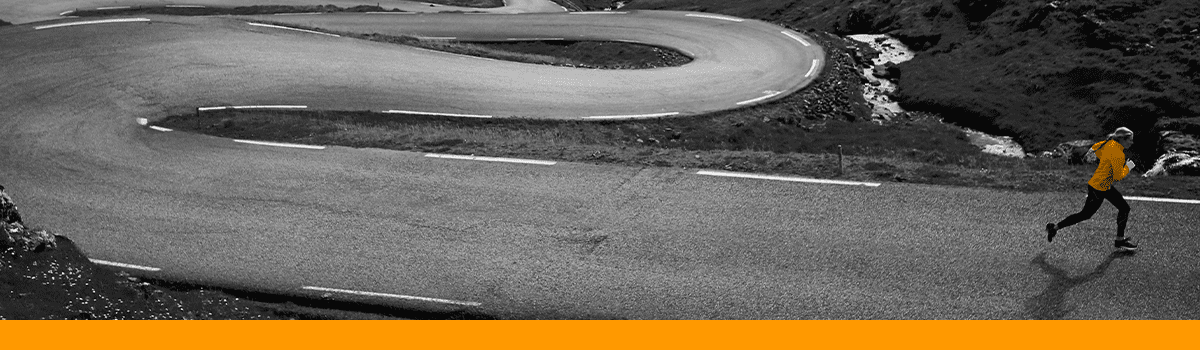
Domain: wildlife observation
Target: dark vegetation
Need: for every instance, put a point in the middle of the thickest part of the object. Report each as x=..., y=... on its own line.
x=3, y=23
x=596, y=54
x=1043, y=72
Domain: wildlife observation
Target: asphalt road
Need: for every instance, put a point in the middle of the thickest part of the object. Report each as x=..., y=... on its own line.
x=515, y=240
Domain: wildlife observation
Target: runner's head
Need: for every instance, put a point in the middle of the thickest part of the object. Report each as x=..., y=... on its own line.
x=1122, y=135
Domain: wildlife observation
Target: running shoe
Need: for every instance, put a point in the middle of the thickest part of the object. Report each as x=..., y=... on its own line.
x=1124, y=244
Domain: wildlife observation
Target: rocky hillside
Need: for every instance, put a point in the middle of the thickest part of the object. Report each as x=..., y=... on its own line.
x=1041, y=71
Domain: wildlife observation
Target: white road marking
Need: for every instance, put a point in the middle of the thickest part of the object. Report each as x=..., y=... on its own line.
x=598, y=13
x=715, y=17
x=632, y=116
x=270, y=107
x=813, y=69
x=187, y=6
x=491, y=159
x=437, y=38
x=112, y=8
x=797, y=37
x=1166, y=200
x=398, y=296
x=117, y=20
x=280, y=144
x=391, y=13
x=760, y=98
x=785, y=178
x=295, y=29
x=253, y=107
x=531, y=39
x=298, y=13
x=64, y=13
x=438, y=114
x=128, y=266
x=159, y=128
x=143, y=121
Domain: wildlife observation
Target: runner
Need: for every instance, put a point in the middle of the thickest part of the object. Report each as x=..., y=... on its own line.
x=1112, y=168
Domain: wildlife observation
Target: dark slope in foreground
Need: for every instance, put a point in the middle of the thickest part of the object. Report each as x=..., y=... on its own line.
x=1042, y=71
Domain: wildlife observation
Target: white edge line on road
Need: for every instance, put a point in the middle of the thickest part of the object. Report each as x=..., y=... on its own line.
x=394, y=111
x=785, y=178
x=297, y=13
x=531, y=39
x=798, y=38
x=187, y=6
x=632, y=116
x=1167, y=200
x=112, y=8
x=812, y=69
x=270, y=107
x=760, y=98
x=295, y=29
x=437, y=38
x=117, y=20
x=279, y=144
x=598, y=13
x=491, y=159
x=398, y=296
x=715, y=17
x=390, y=13
x=253, y=107
x=130, y=266
x=159, y=128
x=64, y=13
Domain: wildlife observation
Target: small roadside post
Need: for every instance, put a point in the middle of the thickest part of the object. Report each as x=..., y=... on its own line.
x=841, y=168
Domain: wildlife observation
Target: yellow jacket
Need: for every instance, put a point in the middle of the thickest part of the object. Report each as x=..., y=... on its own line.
x=1112, y=166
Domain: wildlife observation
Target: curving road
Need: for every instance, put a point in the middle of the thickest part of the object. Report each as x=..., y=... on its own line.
x=519, y=240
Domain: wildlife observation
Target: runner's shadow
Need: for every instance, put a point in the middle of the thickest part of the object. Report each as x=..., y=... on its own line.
x=1050, y=305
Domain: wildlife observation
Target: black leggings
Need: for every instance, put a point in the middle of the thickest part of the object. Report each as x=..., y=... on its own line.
x=1094, y=199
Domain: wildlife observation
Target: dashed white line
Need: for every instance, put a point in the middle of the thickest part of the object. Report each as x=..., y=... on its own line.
x=112, y=8
x=632, y=116
x=270, y=107
x=64, y=13
x=397, y=296
x=715, y=17
x=532, y=39
x=143, y=121
x=785, y=178
x=797, y=37
x=1165, y=200
x=116, y=20
x=128, y=266
x=438, y=114
x=812, y=69
x=253, y=107
x=491, y=159
x=280, y=144
x=187, y=6
x=290, y=28
x=760, y=98
x=159, y=128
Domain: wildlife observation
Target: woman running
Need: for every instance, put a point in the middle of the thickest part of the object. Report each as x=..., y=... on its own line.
x=1112, y=168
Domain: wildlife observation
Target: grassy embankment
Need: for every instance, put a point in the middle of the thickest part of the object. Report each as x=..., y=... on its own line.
x=1040, y=72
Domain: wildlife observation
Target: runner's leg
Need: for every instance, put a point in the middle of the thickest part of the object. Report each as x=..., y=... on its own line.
x=1094, y=200
x=1118, y=200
